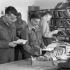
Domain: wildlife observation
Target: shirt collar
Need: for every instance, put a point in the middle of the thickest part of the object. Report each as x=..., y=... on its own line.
x=30, y=26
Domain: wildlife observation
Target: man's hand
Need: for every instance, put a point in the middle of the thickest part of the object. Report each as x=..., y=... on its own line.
x=37, y=53
x=12, y=44
x=55, y=32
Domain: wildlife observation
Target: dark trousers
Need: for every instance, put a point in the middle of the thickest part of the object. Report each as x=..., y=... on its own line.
x=20, y=48
x=17, y=49
x=46, y=41
x=6, y=55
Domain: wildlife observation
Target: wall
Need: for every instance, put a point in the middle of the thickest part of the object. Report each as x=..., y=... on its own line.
x=47, y=4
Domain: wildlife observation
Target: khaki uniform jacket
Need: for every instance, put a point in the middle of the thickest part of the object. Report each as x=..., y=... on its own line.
x=35, y=41
x=20, y=26
x=7, y=34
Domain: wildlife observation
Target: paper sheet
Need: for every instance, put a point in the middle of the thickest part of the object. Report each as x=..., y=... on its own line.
x=20, y=41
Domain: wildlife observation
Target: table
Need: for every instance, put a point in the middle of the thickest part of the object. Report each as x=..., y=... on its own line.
x=23, y=65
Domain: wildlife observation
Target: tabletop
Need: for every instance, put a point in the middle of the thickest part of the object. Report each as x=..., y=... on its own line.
x=23, y=65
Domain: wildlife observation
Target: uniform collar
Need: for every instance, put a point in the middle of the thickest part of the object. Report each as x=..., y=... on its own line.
x=30, y=26
x=3, y=18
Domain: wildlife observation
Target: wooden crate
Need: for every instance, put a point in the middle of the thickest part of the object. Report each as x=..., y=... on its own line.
x=35, y=62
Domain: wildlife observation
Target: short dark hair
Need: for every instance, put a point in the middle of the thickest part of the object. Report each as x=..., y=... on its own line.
x=19, y=14
x=47, y=12
x=35, y=15
x=11, y=10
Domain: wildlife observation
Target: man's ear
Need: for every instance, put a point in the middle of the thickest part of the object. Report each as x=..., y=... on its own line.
x=32, y=20
x=6, y=15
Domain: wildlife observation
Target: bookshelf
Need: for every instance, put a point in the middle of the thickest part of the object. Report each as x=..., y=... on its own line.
x=61, y=21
